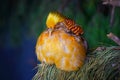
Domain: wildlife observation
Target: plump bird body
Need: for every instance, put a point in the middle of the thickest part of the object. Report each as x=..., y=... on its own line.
x=60, y=49
x=56, y=46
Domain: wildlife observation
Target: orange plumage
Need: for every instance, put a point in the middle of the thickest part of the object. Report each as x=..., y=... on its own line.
x=56, y=46
x=73, y=27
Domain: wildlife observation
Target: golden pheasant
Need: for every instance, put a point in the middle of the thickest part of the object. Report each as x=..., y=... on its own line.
x=61, y=43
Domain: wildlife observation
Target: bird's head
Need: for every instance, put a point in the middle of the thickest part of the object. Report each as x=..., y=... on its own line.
x=53, y=18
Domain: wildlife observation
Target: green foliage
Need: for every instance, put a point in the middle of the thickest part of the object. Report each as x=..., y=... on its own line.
x=100, y=65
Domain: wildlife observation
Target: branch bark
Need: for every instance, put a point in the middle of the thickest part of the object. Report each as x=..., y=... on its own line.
x=112, y=2
x=114, y=38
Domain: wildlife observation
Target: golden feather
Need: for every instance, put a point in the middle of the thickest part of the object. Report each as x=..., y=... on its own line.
x=53, y=18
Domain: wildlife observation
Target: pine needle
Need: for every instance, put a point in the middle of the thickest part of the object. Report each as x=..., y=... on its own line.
x=99, y=65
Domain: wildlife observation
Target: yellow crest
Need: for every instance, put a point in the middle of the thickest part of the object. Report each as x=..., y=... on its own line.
x=53, y=18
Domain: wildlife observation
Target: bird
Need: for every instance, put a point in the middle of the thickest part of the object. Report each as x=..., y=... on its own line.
x=60, y=46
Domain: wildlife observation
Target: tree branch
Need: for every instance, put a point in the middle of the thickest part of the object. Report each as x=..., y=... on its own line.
x=112, y=2
x=114, y=38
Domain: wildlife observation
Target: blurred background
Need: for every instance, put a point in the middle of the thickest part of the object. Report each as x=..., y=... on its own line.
x=22, y=21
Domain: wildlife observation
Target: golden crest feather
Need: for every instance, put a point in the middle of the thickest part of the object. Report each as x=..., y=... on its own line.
x=53, y=18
